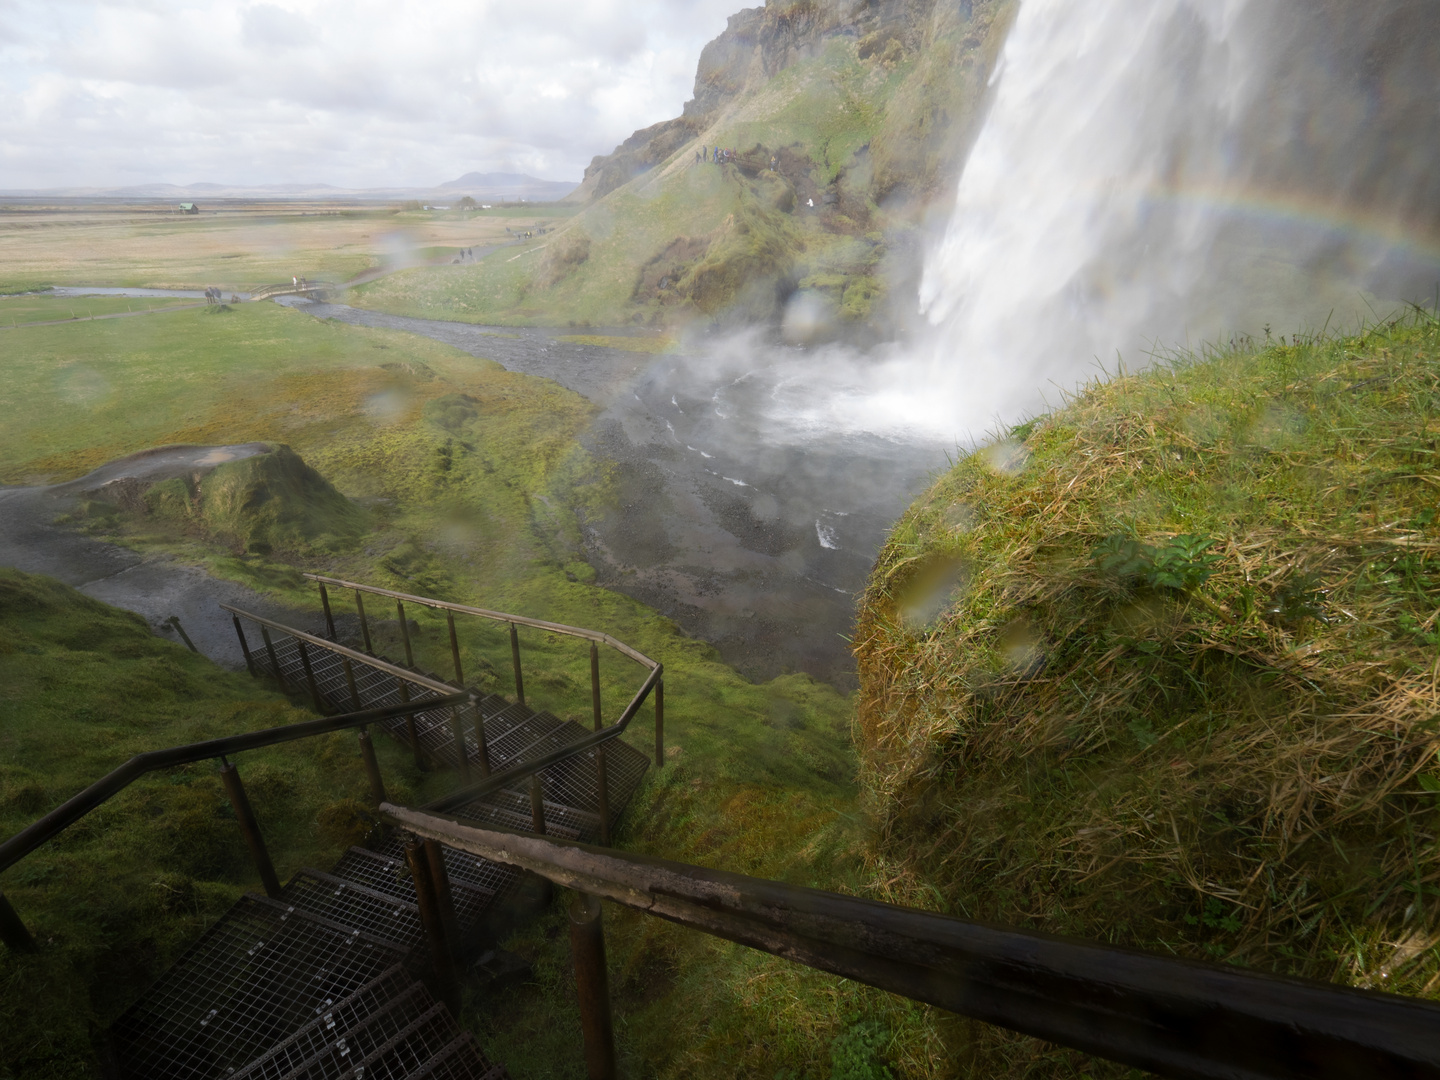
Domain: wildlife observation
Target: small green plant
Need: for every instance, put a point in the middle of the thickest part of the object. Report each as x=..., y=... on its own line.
x=855, y=1054
x=1180, y=563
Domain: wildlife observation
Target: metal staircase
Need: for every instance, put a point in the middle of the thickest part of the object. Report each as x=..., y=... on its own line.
x=497, y=735
x=321, y=982
x=327, y=977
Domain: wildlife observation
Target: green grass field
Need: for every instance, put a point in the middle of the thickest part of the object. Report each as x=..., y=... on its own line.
x=16, y=310
x=236, y=248
x=469, y=477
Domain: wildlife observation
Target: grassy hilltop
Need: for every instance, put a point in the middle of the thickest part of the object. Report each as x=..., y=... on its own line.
x=864, y=117
x=1160, y=669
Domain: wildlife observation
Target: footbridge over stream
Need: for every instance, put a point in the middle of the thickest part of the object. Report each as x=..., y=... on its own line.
x=355, y=972
x=310, y=290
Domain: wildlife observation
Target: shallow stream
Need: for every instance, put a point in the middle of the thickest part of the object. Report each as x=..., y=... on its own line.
x=750, y=535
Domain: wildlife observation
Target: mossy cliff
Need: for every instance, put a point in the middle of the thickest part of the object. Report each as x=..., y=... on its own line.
x=845, y=123
x=1160, y=668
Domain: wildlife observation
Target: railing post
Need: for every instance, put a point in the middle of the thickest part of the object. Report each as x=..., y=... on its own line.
x=274, y=660
x=482, y=745
x=659, y=723
x=442, y=960
x=602, y=790
x=364, y=622
x=595, y=683
x=310, y=677
x=460, y=751
x=249, y=828
x=244, y=645
x=12, y=929
x=515, y=663
x=440, y=878
x=411, y=732
x=455, y=648
x=592, y=985
x=405, y=634
x=325, y=603
x=372, y=767
x=350, y=682
x=537, y=806
x=174, y=621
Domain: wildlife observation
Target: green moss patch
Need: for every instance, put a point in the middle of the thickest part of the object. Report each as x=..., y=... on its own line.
x=275, y=500
x=1159, y=669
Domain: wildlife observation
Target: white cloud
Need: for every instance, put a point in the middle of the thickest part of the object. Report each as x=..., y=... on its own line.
x=358, y=93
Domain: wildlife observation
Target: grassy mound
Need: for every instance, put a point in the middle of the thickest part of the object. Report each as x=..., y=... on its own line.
x=275, y=500
x=83, y=687
x=257, y=505
x=1160, y=668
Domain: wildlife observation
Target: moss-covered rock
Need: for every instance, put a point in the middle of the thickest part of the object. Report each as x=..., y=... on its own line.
x=276, y=501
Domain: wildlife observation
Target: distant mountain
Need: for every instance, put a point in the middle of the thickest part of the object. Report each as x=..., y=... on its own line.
x=509, y=186
x=497, y=187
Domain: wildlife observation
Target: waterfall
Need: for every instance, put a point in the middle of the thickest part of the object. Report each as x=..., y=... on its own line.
x=1166, y=173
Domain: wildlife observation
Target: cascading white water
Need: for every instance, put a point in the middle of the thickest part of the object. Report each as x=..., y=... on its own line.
x=1151, y=176
x=1061, y=248
x=1141, y=182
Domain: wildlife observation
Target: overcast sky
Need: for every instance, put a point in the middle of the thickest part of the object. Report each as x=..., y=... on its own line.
x=356, y=93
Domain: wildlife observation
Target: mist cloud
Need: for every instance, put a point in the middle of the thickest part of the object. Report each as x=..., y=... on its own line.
x=357, y=93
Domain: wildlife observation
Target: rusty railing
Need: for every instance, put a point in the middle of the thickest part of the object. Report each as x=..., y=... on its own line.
x=655, y=679
x=309, y=683
x=12, y=929
x=1177, y=1018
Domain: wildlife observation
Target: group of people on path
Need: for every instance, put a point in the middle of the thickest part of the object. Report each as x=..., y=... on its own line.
x=719, y=155
x=212, y=296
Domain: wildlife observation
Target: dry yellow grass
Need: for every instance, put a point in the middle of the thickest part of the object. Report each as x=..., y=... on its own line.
x=235, y=248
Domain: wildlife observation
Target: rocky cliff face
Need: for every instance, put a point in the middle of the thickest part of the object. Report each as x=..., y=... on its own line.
x=933, y=107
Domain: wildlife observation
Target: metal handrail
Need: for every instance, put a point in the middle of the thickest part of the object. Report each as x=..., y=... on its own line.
x=117, y=780
x=345, y=650
x=495, y=616
x=508, y=776
x=1175, y=1017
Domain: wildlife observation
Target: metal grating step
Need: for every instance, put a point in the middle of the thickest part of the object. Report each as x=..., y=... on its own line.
x=395, y=1046
x=462, y=868
x=511, y=728
x=329, y=1024
x=252, y=980
x=376, y=913
x=514, y=734
x=484, y=813
x=391, y=876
